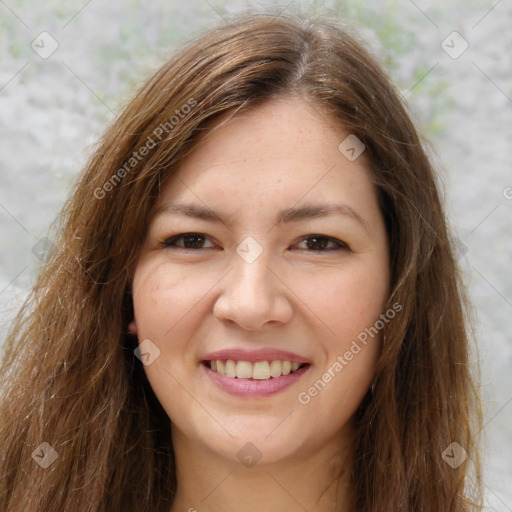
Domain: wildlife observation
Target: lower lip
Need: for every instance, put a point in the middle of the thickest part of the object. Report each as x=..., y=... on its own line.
x=255, y=388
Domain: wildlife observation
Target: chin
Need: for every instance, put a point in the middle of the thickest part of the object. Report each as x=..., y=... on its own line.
x=266, y=442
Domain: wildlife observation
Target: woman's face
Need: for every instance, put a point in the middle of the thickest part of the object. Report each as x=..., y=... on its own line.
x=285, y=260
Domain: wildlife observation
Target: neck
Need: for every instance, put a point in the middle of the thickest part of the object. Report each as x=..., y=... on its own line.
x=317, y=481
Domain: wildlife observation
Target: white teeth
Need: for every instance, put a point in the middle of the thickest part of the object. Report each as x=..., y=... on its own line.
x=260, y=370
x=244, y=370
x=230, y=368
x=221, y=368
x=275, y=369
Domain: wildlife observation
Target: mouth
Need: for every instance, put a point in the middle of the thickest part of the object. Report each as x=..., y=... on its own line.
x=254, y=371
x=254, y=380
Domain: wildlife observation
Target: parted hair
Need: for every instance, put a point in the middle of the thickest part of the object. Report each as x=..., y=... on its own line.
x=69, y=376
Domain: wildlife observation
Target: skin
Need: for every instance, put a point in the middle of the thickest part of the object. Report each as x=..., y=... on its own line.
x=293, y=297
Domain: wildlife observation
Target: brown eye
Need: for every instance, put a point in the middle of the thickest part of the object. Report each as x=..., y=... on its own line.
x=188, y=241
x=320, y=243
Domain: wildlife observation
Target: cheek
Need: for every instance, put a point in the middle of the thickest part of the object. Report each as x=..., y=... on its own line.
x=346, y=302
x=350, y=306
x=161, y=297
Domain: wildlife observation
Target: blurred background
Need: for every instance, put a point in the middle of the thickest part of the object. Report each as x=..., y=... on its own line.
x=67, y=68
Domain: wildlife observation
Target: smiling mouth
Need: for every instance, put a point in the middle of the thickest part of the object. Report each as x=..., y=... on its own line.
x=260, y=370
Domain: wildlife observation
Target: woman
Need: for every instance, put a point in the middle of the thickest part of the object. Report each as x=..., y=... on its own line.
x=253, y=304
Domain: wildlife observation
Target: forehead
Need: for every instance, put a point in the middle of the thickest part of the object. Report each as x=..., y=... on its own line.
x=278, y=153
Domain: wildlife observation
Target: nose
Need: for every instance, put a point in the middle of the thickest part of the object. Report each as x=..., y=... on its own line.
x=253, y=296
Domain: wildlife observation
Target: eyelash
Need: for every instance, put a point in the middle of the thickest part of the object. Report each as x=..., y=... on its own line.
x=169, y=242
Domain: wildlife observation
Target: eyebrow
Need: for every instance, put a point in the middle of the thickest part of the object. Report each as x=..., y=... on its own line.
x=294, y=214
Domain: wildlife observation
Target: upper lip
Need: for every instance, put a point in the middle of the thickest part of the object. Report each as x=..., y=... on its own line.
x=261, y=354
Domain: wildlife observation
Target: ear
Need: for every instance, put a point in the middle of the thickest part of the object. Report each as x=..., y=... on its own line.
x=132, y=327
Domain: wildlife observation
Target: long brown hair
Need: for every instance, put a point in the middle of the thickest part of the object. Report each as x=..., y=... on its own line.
x=69, y=374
